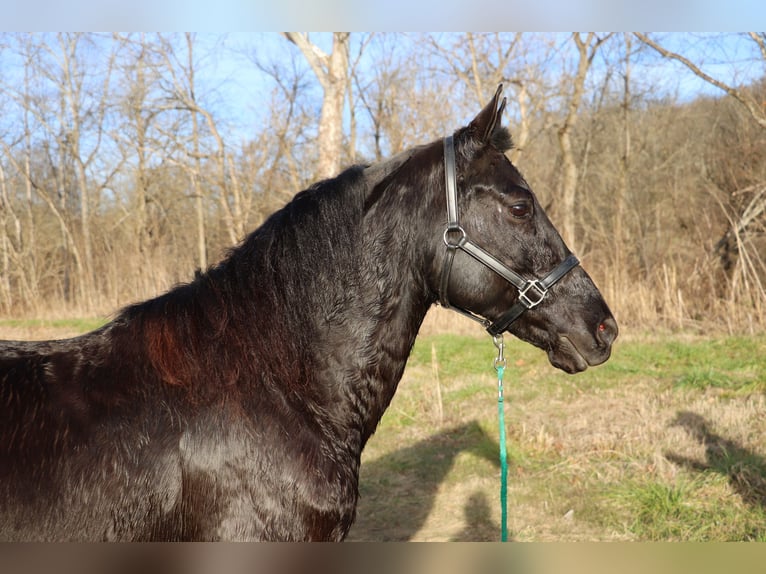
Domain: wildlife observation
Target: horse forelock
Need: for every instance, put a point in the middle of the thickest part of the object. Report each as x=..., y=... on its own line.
x=501, y=139
x=468, y=144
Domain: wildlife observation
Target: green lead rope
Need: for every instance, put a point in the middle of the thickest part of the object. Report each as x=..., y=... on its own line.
x=500, y=368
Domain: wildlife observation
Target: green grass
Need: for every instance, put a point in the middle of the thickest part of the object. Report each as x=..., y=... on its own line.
x=75, y=324
x=456, y=355
x=655, y=511
x=733, y=363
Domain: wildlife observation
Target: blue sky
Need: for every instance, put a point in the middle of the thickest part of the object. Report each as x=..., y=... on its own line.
x=391, y=15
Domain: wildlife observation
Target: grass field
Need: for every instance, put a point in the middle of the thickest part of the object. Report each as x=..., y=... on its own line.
x=666, y=441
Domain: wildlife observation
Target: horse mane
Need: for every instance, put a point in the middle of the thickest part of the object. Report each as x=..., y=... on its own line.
x=263, y=286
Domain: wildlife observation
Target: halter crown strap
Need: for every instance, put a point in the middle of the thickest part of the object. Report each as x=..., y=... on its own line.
x=531, y=291
x=450, y=183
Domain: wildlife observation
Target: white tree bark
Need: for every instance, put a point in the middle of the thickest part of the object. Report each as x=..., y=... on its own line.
x=331, y=71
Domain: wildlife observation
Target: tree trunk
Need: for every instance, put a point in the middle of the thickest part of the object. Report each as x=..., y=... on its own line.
x=71, y=119
x=622, y=190
x=199, y=205
x=332, y=72
x=567, y=212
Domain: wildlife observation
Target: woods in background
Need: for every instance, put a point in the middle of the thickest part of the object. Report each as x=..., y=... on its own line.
x=123, y=164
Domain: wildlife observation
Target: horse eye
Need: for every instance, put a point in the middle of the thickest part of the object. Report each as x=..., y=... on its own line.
x=520, y=209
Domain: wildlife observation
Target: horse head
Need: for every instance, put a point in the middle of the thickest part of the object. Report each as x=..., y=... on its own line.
x=504, y=263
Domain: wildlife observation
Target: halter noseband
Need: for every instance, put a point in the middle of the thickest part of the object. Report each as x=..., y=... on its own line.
x=531, y=291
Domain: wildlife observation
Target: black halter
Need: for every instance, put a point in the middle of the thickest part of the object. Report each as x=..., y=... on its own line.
x=531, y=291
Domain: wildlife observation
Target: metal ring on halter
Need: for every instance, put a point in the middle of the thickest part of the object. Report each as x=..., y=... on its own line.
x=462, y=238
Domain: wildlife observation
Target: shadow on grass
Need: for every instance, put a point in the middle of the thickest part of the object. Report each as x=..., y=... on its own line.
x=478, y=524
x=745, y=469
x=398, y=490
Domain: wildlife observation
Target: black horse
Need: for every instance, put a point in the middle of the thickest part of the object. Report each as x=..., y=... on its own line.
x=237, y=406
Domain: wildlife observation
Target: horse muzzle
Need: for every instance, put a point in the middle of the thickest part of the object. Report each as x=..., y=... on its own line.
x=575, y=352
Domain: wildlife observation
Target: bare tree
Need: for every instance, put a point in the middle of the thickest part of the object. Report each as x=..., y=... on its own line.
x=332, y=72
x=209, y=157
x=482, y=61
x=285, y=128
x=147, y=136
x=17, y=223
x=67, y=107
x=745, y=97
x=380, y=89
x=479, y=61
x=134, y=136
x=189, y=98
x=8, y=220
x=622, y=192
x=120, y=142
x=586, y=51
x=749, y=214
x=81, y=116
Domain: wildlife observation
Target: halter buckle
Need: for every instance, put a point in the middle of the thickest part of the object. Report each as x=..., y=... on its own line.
x=538, y=293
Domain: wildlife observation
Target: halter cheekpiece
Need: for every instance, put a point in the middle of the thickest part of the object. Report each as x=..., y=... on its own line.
x=532, y=292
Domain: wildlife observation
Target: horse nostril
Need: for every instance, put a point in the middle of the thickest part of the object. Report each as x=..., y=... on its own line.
x=607, y=331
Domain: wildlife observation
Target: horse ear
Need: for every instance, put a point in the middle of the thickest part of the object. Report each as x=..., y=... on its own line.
x=488, y=119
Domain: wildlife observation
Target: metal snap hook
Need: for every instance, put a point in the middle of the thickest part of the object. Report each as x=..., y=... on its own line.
x=500, y=362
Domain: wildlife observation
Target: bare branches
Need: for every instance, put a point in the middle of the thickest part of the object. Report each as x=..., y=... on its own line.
x=586, y=49
x=760, y=39
x=125, y=133
x=757, y=111
x=738, y=250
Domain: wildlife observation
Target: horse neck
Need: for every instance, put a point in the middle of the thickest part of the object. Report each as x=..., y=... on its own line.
x=353, y=310
x=396, y=313
x=363, y=351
